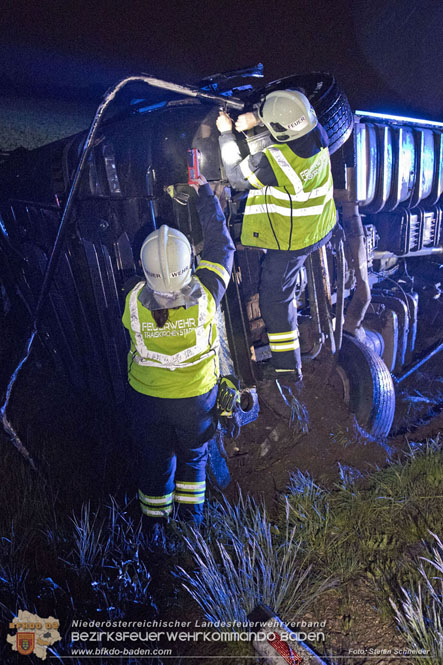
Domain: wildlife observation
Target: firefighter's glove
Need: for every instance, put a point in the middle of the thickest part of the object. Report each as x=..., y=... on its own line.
x=228, y=397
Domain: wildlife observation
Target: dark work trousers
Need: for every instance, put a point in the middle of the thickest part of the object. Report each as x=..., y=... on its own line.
x=171, y=450
x=279, y=271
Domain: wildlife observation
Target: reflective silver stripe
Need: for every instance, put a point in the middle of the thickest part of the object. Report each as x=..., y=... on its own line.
x=133, y=311
x=275, y=337
x=286, y=346
x=185, y=498
x=196, y=487
x=245, y=168
x=249, y=174
x=151, y=363
x=149, y=358
x=264, y=209
x=152, y=512
x=217, y=268
x=166, y=498
x=324, y=190
x=286, y=168
x=254, y=181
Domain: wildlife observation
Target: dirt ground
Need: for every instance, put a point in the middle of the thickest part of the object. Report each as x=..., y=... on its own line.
x=267, y=451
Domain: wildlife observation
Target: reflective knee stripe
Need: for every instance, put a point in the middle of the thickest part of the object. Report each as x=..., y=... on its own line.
x=155, y=512
x=217, y=268
x=156, y=506
x=190, y=498
x=189, y=492
x=159, y=500
x=191, y=486
x=285, y=341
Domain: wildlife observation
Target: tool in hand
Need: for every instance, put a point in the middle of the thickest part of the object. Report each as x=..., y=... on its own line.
x=193, y=166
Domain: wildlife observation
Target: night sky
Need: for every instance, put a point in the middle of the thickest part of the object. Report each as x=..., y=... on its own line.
x=387, y=55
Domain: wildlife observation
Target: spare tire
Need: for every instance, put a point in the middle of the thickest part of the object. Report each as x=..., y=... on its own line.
x=329, y=101
x=369, y=390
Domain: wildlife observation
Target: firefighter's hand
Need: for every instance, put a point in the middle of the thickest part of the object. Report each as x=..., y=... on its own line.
x=246, y=121
x=224, y=122
x=201, y=180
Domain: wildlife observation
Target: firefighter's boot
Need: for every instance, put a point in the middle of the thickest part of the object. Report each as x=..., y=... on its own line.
x=281, y=391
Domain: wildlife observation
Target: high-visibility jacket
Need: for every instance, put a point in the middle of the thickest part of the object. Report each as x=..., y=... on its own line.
x=178, y=360
x=300, y=211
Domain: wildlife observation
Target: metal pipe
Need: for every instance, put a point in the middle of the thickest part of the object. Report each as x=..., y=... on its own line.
x=429, y=251
x=190, y=91
x=339, y=305
x=323, y=289
x=419, y=363
x=355, y=237
x=315, y=314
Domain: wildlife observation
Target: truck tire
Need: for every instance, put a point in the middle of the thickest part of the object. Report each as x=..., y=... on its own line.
x=329, y=101
x=370, y=390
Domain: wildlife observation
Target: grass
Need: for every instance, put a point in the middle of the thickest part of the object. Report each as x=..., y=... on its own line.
x=419, y=614
x=369, y=530
x=96, y=565
x=70, y=550
x=71, y=543
x=243, y=560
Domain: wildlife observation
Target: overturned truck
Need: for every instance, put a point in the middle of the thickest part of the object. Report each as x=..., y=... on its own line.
x=367, y=299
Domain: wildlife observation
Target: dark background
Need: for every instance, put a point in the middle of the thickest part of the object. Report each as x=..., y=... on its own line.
x=57, y=58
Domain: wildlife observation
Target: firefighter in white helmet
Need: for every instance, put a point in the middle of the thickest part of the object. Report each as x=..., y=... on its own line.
x=173, y=360
x=289, y=210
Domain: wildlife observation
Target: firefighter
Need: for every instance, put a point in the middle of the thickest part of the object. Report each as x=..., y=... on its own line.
x=173, y=360
x=289, y=211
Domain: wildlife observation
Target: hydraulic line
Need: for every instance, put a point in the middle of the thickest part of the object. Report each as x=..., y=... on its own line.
x=355, y=237
x=323, y=290
x=437, y=348
x=339, y=305
x=51, y=267
x=315, y=314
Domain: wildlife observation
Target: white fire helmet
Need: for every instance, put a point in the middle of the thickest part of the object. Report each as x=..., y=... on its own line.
x=166, y=257
x=287, y=114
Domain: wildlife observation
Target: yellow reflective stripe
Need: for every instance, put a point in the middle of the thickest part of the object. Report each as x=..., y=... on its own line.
x=217, y=268
x=275, y=337
x=249, y=174
x=290, y=346
x=151, y=512
x=254, y=181
x=166, y=498
x=186, y=498
x=198, y=486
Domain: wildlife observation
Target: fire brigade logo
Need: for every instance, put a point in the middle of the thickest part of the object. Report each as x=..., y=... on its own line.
x=25, y=643
x=34, y=634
